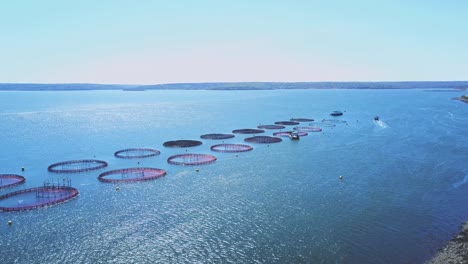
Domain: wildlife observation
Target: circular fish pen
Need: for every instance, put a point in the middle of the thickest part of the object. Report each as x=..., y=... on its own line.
x=308, y=129
x=182, y=143
x=287, y=123
x=323, y=124
x=136, y=153
x=191, y=159
x=10, y=180
x=131, y=175
x=333, y=121
x=248, y=131
x=52, y=192
x=336, y=113
x=74, y=166
x=288, y=133
x=217, y=136
x=302, y=119
x=271, y=127
x=231, y=148
x=263, y=139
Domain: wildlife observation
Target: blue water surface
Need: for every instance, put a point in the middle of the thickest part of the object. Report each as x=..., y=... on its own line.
x=404, y=191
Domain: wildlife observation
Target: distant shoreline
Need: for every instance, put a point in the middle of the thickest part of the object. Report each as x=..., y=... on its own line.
x=240, y=86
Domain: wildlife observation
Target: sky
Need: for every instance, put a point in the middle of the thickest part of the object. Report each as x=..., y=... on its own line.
x=153, y=42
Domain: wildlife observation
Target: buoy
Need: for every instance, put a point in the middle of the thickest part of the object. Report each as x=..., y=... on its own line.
x=117, y=188
x=197, y=170
x=22, y=168
x=10, y=222
x=138, y=163
x=341, y=177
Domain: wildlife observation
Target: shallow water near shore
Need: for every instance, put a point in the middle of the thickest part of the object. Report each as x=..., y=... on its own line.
x=403, y=192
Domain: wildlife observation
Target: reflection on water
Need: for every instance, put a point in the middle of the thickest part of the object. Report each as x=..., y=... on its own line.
x=403, y=189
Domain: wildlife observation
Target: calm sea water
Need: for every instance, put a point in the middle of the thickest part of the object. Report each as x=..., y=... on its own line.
x=404, y=190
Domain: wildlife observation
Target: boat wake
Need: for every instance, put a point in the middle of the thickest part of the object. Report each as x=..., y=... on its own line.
x=380, y=123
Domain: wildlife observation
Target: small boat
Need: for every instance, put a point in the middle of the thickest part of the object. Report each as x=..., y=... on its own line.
x=336, y=113
x=376, y=118
x=294, y=136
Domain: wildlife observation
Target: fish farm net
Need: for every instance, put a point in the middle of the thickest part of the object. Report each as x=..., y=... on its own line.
x=287, y=123
x=191, y=159
x=131, y=175
x=336, y=113
x=308, y=129
x=302, y=119
x=136, y=153
x=182, y=143
x=323, y=124
x=231, y=148
x=52, y=192
x=288, y=133
x=217, y=136
x=248, y=131
x=10, y=180
x=73, y=166
x=271, y=127
x=333, y=121
x=263, y=139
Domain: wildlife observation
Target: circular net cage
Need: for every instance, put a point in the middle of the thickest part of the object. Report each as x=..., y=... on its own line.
x=182, y=143
x=336, y=113
x=302, y=119
x=288, y=133
x=248, y=131
x=323, y=124
x=308, y=129
x=191, y=159
x=10, y=180
x=52, y=192
x=271, y=127
x=131, y=175
x=263, y=139
x=217, y=136
x=136, y=153
x=333, y=121
x=231, y=148
x=73, y=166
x=287, y=123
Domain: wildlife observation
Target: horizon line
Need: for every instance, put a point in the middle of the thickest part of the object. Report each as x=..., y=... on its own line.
x=226, y=82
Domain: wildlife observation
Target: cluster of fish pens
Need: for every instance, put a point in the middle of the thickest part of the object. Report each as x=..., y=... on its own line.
x=53, y=192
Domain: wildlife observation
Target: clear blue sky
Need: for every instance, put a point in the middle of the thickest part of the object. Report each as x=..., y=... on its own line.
x=139, y=42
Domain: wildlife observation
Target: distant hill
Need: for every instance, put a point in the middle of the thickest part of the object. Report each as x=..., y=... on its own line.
x=61, y=87
x=462, y=85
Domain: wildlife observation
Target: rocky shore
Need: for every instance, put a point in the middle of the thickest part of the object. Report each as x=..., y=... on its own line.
x=455, y=251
